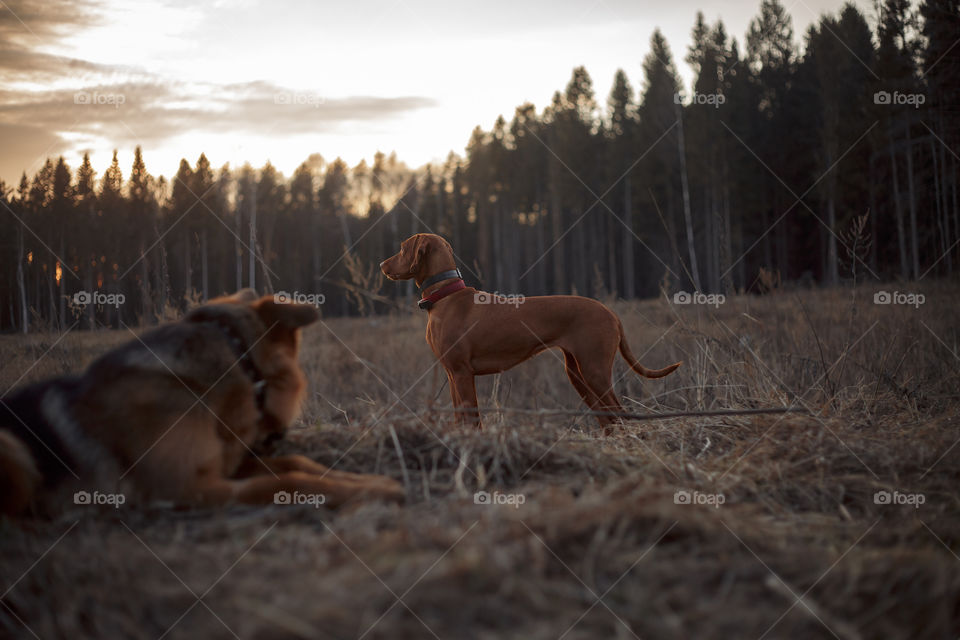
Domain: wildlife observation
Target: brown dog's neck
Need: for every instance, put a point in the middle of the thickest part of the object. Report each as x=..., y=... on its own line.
x=435, y=286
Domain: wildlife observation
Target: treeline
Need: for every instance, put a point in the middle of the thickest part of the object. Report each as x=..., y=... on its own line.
x=835, y=162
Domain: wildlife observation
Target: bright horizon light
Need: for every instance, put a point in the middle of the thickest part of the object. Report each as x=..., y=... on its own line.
x=408, y=77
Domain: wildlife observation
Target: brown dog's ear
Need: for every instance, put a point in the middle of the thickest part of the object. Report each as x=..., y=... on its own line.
x=419, y=251
x=285, y=315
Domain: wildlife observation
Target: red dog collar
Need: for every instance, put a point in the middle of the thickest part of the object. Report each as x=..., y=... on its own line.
x=427, y=303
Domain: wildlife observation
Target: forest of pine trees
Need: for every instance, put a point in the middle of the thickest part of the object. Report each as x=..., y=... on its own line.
x=832, y=163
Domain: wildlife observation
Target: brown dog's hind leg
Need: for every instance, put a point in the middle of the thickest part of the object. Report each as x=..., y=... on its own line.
x=576, y=379
x=598, y=377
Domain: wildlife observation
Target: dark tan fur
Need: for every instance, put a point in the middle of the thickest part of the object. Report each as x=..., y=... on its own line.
x=146, y=433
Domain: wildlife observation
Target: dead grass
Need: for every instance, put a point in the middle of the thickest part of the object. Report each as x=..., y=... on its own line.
x=599, y=548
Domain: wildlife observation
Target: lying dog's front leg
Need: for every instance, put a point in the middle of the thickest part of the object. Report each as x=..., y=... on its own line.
x=254, y=466
x=259, y=480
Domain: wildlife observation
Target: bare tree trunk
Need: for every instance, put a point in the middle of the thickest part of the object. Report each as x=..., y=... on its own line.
x=942, y=188
x=901, y=233
x=726, y=242
x=62, y=286
x=204, y=273
x=541, y=246
x=345, y=228
x=556, y=222
x=53, y=306
x=252, y=244
x=871, y=181
x=163, y=286
x=496, y=248
x=187, y=267
x=833, y=271
x=611, y=251
x=629, y=285
x=145, y=297
x=687, y=215
x=942, y=221
x=914, y=241
x=21, y=285
x=237, y=246
x=956, y=206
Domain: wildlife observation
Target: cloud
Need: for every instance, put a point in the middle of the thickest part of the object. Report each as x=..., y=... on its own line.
x=141, y=112
x=24, y=149
x=88, y=104
x=43, y=22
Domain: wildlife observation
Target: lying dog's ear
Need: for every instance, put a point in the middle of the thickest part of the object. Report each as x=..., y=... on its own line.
x=419, y=251
x=285, y=315
x=243, y=296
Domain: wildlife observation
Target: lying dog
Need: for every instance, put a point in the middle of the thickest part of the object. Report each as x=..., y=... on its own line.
x=175, y=415
x=474, y=333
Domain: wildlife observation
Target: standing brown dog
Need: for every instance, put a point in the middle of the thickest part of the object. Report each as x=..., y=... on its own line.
x=175, y=415
x=474, y=333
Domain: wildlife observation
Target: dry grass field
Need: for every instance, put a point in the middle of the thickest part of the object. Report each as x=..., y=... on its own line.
x=842, y=523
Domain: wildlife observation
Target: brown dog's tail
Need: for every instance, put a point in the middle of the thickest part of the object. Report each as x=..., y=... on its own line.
x=636, y=366
x=19, y=477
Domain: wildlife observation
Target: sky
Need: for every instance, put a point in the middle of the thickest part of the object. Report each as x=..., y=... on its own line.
x=252, y=81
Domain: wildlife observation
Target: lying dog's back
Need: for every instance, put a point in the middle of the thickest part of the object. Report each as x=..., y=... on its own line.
x=76, y=432
x=35, y=451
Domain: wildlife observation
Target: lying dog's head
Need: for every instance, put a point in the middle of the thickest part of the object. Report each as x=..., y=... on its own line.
x=268, y=333
x=420, y=257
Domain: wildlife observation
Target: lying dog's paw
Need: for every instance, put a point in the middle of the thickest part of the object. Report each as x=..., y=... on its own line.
x=386, y=489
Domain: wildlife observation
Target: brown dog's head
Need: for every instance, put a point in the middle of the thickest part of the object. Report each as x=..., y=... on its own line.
x=420, y=257
x=270, y=330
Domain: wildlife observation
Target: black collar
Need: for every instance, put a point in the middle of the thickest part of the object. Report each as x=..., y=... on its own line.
x=444, y=275
x=242, y=351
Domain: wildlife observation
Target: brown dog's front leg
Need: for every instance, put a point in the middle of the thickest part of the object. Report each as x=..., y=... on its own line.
x=464, y=393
